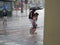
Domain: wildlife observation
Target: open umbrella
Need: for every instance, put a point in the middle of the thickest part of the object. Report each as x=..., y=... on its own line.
x=36, y=8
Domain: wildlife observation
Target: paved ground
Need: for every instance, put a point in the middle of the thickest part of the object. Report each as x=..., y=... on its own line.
x=16, y=31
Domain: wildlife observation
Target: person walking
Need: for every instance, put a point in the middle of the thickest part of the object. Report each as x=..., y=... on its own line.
x=33, y=18
x=4, y=13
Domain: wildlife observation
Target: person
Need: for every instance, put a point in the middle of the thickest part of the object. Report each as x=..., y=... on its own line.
x=4, y=13
x=33, y=29
x=31, y=14
x=35, y=17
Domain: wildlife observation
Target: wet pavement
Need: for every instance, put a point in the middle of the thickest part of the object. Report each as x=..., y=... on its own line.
x=16, y=31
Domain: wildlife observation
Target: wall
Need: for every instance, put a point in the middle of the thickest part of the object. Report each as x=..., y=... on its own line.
x=52, y=22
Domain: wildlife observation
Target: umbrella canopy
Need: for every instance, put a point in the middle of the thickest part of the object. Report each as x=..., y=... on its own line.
x=36, y=8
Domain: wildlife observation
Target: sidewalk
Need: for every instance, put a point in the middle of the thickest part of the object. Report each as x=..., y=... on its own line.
x=17, y=31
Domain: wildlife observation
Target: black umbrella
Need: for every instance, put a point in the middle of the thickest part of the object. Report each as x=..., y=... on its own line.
x=36, y=8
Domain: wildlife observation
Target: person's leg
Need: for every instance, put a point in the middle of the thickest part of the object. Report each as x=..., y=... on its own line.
x=3, y=20
x=32, y=30
x=34, y=22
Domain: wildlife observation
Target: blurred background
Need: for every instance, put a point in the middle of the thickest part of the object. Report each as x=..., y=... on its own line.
x=21, y=5
x=15, y=28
